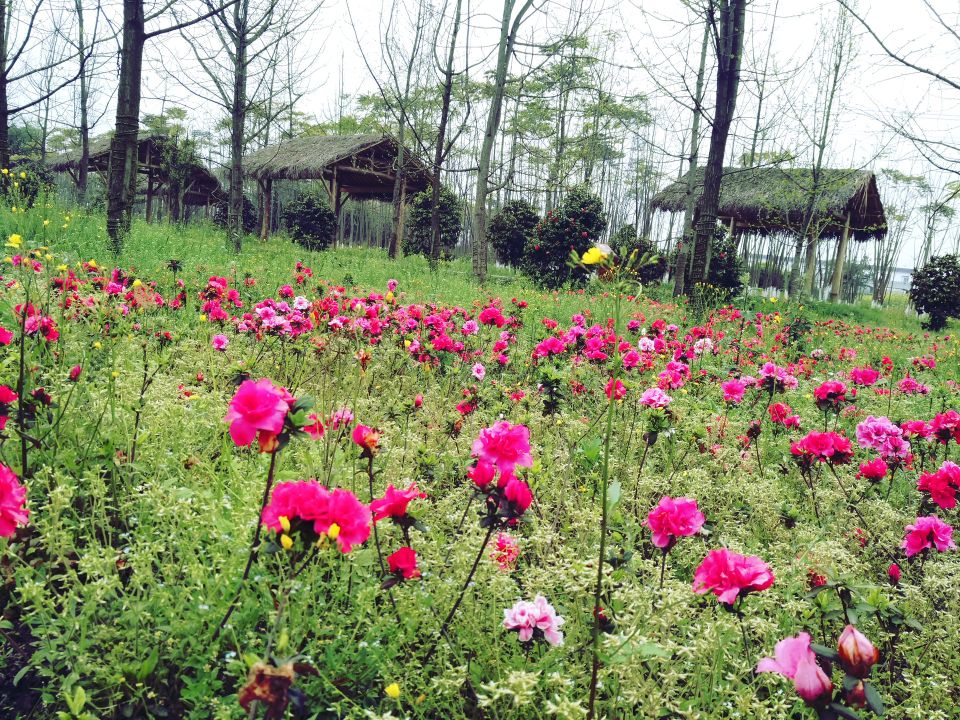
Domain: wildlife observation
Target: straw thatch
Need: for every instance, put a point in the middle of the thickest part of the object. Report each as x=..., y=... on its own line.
x=773, y=199
x=364, y=166
x=202, y=186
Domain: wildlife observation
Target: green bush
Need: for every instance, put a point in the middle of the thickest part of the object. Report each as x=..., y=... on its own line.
x=626, y=240
x=935, y=290
x=418, y=236
x=249, y=215
x=726, y=268
x=310, y=221
x=511, y=229
x=576, y=224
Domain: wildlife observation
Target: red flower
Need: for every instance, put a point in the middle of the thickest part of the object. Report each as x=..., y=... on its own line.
x=367, y=438
x=404, y=563
x=615, y=390
x=394, y=502
x=13, y=500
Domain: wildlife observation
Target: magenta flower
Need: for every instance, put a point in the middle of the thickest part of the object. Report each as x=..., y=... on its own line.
x=673, y=518
x=942, y=485
x=256, y=407
x=504, y=445
x=729, y=575
x=537, y=616
x=928, y=532
x=394, y=502
x=794, y=660
x=733, y=391
x=220, y=342
x=655, y=398
x=13, y=501
x=857, y=653
x=615, y=390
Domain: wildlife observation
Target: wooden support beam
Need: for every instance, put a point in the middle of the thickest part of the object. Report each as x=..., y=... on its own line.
x=150, y=196
x=265, y=210
x=837, y=284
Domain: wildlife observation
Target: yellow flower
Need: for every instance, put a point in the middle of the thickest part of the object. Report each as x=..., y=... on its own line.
x=5, y=171
x=48, y=257
x=92, y=263
x=334, y=531
x=14, y=241
x=97, y=345
x=46, y=222
x=286, y=541
x=115, y=374
x=407, y=343
x=388, y=297
x=392, y=690
x=593, y=256
x=16, y=184
x=137, y=283
x=203, y=317
x=284, y=523
x=62, y=268
x=773, y=299
x=23, y=175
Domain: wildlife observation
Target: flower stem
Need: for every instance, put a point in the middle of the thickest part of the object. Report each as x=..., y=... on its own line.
x=254, y=547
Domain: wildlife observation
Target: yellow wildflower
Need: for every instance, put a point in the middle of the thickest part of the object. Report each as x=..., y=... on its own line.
x=15, y=241
x=286, y=541
x=593, y=256
x=392, y=690
x=334, y=531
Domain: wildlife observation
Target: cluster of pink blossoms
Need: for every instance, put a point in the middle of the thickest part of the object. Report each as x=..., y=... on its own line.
x=309, y=506
x=13, y=502
x=534, y=618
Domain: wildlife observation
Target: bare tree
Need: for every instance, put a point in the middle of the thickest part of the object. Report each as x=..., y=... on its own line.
x=509, y=27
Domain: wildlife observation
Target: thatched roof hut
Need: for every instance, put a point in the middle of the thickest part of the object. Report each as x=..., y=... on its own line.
x=201, y=187
x=773, y=199
x=363, y=167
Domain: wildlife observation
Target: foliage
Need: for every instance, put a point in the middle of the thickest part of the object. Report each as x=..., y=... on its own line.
x=418, y=237
x=726, y=269
x=575, y=225
x=310, y=221
x=626, y=240
x=511, y=229
x=249, y=215
x=935, y=290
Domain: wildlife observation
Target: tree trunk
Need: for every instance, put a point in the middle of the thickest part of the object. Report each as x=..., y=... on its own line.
x=123, y=146
x=837, y=283
x=4, y=106
x=83, y=172
x=683, y=251
x=238, y=118
x=440, y=151
x=398, y=183
x=508, y=33
x=729, y=42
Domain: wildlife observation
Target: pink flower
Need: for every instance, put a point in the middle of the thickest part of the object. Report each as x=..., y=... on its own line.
x=75, y=373
x=505, y=552
x=830, y=394
x=733, y=391
x=529, y=617
x=351, y=517
x=864, y=376
x=479, y=371
x=942, y=485
x=878, y=433
x=615, y=390
x=220, y=342
x=794, y=660
x=655, y=398
x=404, y=563
x=928, y=532
x=314, y=427
x=303, y=500
x=857, y=653
x=256, y=407
x=517, y=493
x=504, y=445
x=672, y=519
x=394, y=502
x=828, y=447
x=874, y=471
x=13, y=501
x=729, y=574
x=946, y=426
x=367, y=438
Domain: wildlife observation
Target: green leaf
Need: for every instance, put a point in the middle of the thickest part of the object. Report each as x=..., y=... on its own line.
x=148, y=665
x=874, y=701
x=843, y=711
x=613, y=494
x=823, y=651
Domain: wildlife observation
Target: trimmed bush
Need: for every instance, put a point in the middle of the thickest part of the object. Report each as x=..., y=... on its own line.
x=511, y=229
x=417, y=238
x=935, y=290
x=576, y=224
x=310, y=221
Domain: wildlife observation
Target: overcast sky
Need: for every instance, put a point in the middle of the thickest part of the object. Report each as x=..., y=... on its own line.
x=656, y=45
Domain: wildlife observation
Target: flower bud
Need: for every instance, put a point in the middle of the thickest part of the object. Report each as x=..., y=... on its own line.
x=333, y=532
x=284, y=523
x=857, y=653
x=286, y=541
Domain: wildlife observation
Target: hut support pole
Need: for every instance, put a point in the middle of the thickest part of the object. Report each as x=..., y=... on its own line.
x=265, y=211
x=837, y=283
x=150, y=195
x=335, y=198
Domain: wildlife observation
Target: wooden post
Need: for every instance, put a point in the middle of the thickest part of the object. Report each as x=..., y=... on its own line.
x=150, y=195
x=335, y=197
x=265, y=210
x=837, y=283
x=403, y=212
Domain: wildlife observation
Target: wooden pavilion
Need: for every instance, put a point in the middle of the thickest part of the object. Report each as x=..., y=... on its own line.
x=767, y=200
x=201, y=188
x=362, y=167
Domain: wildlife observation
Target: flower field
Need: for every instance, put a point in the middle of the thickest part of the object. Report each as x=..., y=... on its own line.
x=325, y=485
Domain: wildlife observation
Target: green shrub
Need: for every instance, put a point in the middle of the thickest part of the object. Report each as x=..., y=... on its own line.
x=576, y=224
x=419, y=233
x=626, y=240
x=935, y=290
x=249, y=215
x=511, y=229
x=310, y=221
x=726, y=268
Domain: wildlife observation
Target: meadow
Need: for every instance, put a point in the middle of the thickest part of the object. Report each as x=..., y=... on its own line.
x=331, y=485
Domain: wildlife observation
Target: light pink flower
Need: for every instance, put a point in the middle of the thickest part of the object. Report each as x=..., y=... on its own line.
x=655, y=398
x=220, y=342
x=479, y=371
x=794, y=660
x=527, y=617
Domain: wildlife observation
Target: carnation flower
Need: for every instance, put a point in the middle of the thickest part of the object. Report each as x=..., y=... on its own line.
x=257, y=407
x=504, y=445
x=729, y=575
x=537, y=617
x=673, y=518
x=404, y=563
x=13, y=501
x=394, y=502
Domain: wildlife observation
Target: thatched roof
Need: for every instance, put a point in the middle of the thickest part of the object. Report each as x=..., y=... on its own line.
x=202, y=185
x=364, y=165
x=773, y=199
